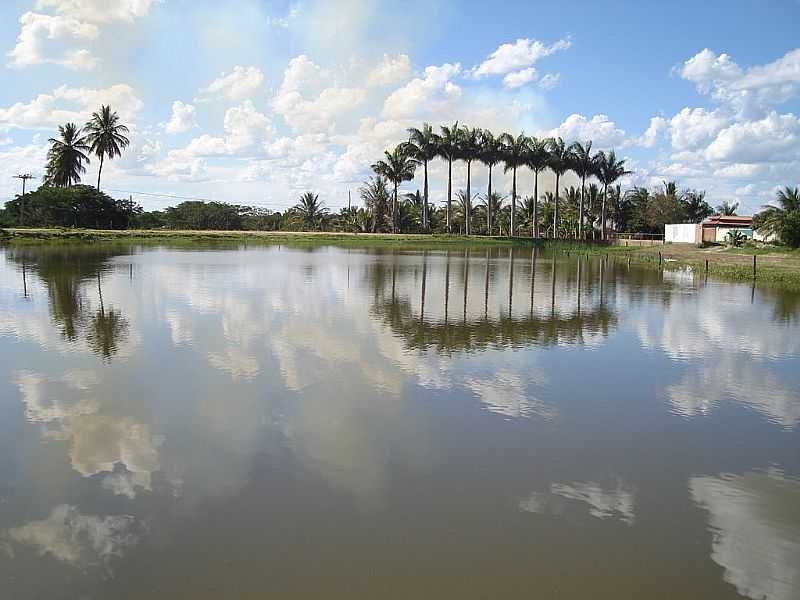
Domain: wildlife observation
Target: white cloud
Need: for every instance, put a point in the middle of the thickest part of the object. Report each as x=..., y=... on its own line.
x=692, y=128
x=391, y=70
x=70, y=104
x=420, y=96
x=237, y=85
x=549, y=81
x=600, y=129
x=653, y=132
x=775, y=138
x=521, y=54
x=183, y=118
x=519, y=78
x=99, y=11
x=47, y=39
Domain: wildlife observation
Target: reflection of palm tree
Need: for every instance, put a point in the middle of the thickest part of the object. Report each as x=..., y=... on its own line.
x=105, y=331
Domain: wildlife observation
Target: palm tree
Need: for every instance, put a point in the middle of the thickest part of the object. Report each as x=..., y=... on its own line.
x=537, y=160
x=696, y=206
x=728, y=209
x=493, y=203
x=397, y=166
x=490, y=154
x=609, y=169
x=584, y=164
x=423, y=145
x=310, y=210
x=66, y=157
x=469, y=146
x=375, y=195
x=514, y=154
x=560, y=162
x=106, y=136
x=447, y=148
x=775, y=217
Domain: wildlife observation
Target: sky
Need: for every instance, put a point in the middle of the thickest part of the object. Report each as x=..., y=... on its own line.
x=255, y=102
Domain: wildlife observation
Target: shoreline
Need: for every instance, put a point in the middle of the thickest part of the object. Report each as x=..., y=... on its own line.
x=775, y=266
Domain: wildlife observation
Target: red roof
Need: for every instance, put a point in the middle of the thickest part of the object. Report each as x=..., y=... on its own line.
x=722, y=220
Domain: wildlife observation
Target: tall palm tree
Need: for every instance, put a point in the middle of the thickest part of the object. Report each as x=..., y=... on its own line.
x=310, y=210
x=106, y=136
x=490, y=154
x=375, y=195
x=514, y=153
x=469, y=146
x=584, y=164
x=560, y=161
x=397, y=166
x=66, y=157
x=537, y=160
x=773, y=219
x=424, y=147
x=728, y=209
x=447, y=148
x=609, y=169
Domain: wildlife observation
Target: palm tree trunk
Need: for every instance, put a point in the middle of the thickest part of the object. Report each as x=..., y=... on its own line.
x=555, y=210
x=100, y=170
x=580, y=212
x=489, y=204
x=449, y=195
x=425, y=206
x=468, y=203
x=603, y=213
x=513, y=227
x=536, y=204
x=394, y=210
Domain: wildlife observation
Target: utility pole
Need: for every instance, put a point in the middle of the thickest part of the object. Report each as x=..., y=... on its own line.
x=24, y=177
x=348, y=201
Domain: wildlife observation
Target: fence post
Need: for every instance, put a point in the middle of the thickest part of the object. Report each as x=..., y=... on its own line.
x=754, y=266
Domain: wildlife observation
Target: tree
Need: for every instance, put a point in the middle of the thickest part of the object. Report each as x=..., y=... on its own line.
x=375, y=195
x=447, y=148
x=728, y=209
x=106, y=136
x=397, y=166
x=514, y=154
x=310, y=211
x=423, y=146
x=782, y=217
x=490, y=154
x=493, y=203
x=536, y=159
x=584, y=164
x=663, y=208
x=66, y=157
x=695, y=206
x=609, y=169
x=560, y=161
x=469, y=146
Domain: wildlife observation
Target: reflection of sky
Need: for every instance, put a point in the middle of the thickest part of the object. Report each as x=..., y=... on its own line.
x=617, y=501
x=753, y=520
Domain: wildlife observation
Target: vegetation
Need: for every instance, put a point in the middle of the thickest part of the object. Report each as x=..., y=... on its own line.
x=106, y=136
x=782, y=218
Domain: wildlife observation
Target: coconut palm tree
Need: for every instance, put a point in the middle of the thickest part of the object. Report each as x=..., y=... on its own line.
x=447, y=148
x=584, y=164
x=560, y=161
x=375, y=195
x=728, y=209
x=397, y=166
x=469, y=146
x=310, y=211
x=493, y=204
x=515, y=150
x=536, y=159
x=609, y=169
x=490, y=154
x=66, y=157
x=423, y=145
x=106, y=136
x=776, y=217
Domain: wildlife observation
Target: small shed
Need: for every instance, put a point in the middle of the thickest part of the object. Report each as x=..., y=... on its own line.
x=714, y=229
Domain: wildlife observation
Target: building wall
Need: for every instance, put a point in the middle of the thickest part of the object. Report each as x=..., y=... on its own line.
x=680, y=233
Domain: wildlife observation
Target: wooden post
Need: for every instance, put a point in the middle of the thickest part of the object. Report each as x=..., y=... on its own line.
x=754, y=266
x=659, y=258
x=706, y=266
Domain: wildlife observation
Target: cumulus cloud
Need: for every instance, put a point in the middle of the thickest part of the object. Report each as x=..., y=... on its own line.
x=653, y=132
x=70, y=104
x=521, y=54
x=51, y=39
x=99, y=11
x=391, y=70
x=425, y=95
x=600, y=129
x=517, y=79
x=549, y=81
x=775, y=138
x=237, y=85
x=692, y=128
x=183, y=118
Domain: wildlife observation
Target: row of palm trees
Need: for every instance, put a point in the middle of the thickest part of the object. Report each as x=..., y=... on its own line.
x=103, y=135
x=468, y=144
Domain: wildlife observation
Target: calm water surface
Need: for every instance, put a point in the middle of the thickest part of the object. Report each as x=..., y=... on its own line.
x=308, y=423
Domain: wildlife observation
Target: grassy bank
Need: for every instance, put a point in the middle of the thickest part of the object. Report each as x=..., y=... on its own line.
x=775, y=265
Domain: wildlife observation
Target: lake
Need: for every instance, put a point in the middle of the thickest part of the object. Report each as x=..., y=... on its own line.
x=307, y=422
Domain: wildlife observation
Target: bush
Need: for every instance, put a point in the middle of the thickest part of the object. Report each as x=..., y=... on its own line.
x=790, y=229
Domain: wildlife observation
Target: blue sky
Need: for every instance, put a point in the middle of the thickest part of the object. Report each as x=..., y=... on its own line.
x=254, y=102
